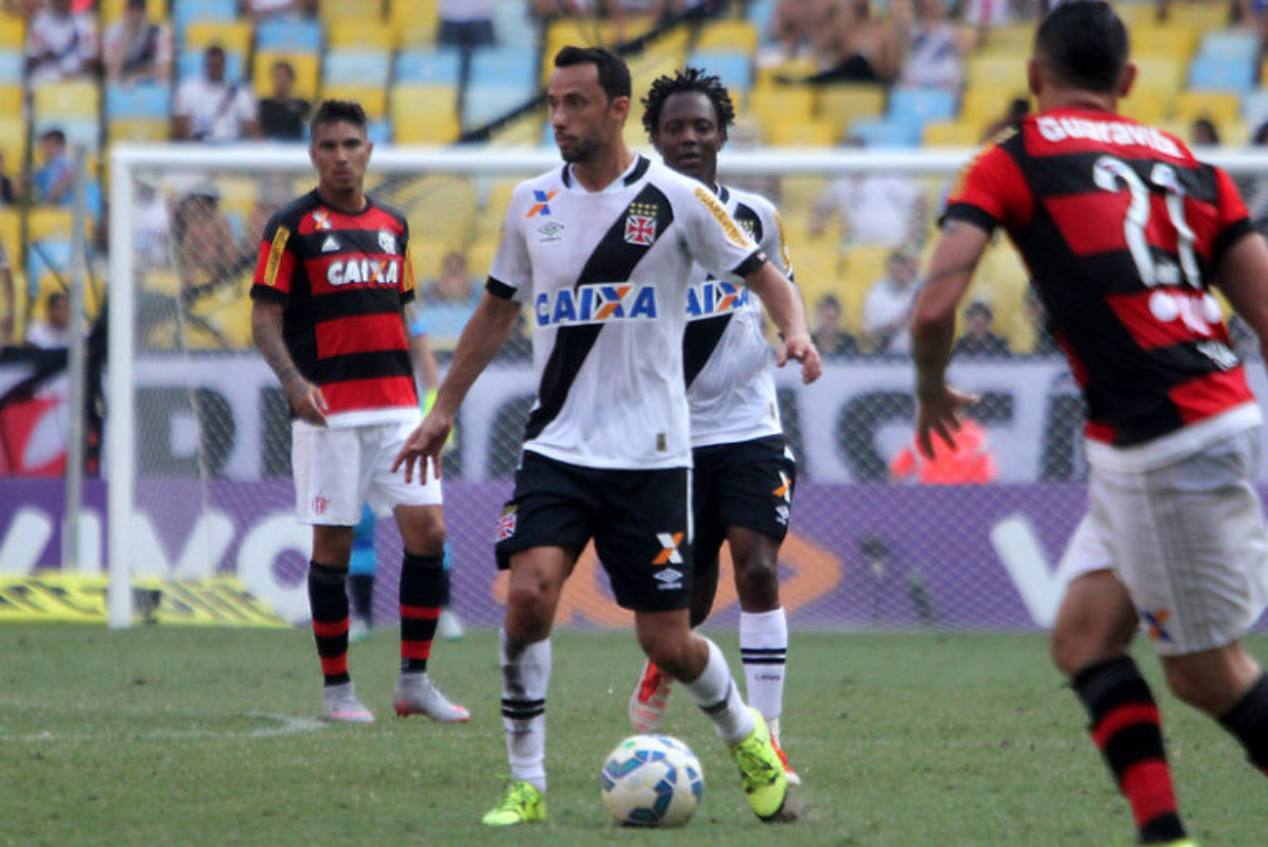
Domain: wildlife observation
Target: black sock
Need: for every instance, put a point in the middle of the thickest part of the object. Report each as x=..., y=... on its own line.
x=328, y=598
x=361, y=586
x=424, y=590
x=1248, y=722
x=1128, y=730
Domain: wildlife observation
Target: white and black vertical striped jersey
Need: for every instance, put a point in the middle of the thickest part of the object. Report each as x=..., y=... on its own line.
x=605, y=276
x=726, y=360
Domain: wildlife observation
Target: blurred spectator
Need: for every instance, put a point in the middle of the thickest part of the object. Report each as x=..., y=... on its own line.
x=887, y=306
x=447, y=302
x=978, y=338
x=260, y=9
x=549, y=10
x=52, y=182
x=794, y=24
x=466, y=24
x=969, y=462
x=1016, y=112
x=828, y=335
x=1204, y=134
x=151, y=224
x=6, y=185
x=60, y=43
x=137, y=49
x=53, y=332
x=282, y=115
x=881, y=210
x=212, y=109
x=1037, y=316
x=849, y=45
x=934, y=47
x=8, y=318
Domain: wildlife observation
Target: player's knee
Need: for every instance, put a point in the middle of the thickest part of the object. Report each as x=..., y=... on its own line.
x=423, y=531
x=757, y=581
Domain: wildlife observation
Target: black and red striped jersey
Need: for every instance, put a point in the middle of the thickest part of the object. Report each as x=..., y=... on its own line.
x=1122, y=230
x=344, y=280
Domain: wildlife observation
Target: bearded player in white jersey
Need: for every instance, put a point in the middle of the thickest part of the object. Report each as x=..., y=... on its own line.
x=602, y=250
x=743, y=471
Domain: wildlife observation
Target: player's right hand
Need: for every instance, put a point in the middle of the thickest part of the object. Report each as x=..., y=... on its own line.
x=423, y=447
x=307, y=401
x=802, y=349
x=939, y=413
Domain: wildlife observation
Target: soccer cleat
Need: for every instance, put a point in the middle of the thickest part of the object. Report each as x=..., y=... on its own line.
x=1183, y=842
x=793, y=777
x=650, y=698
x=761, y=771
x=416, y=694
x=448, y=626
x=523, y=803
x=359, y=630
x=342, y=705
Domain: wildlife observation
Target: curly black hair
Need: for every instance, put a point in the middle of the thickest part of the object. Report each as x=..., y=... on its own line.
x=687, y=80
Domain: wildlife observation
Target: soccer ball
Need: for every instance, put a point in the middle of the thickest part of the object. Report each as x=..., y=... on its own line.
x=652, y=780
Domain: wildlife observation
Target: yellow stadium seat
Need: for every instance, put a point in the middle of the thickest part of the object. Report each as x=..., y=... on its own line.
x=1145, y=105
x=10, y=233
x=1220, y=107
x=959, y=133
x=996, y=70
x=112, y=10
x=307, y=71
x=782, y=104
x=345, y=10
x=1139, y=14
x=986, y=103
x=48, y=222
x=1162, y=42
x=1200, y=16
x=233, y=36
x=139, y=129
x=769, y=75
x=67, y=100
x=728, y=35
x=12, y=32
x=1159, y=74
x=10, y=99
x=415, y=128
x=423, y=101
x=373, y=98
x=808, y=133
x=1010, y=39
x=842, y=105
x=362, y=34
x=525, y=131
x=13, y=140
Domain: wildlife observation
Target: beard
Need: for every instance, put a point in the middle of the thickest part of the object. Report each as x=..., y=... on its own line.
x=580, y=151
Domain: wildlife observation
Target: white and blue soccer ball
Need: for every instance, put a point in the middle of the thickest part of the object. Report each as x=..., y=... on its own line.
x=652, y=780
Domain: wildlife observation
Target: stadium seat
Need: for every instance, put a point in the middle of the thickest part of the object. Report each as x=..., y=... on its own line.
x=74, y=100
x=1163, y=42
x=728, y=36
x=11, y=230
x=48, y=254
x=112, y=10
x=11, y=64
x=306, y=67
x=187, y=11
x=12, y=32
x=1146, y=105
x=996, y=70
x=503, y=67
x=524, y=131
x=415, y=22
x=484, y=103
x=1211, y=73
x=10, y=99
x=1254, y=110
x=811, y=133
x=416, y=128
x=429, y=66
x=921, y=104
x=379, y=131
x=958, y=133
x=356, y=67
x=347, y=10
x=841, y=105
x=1230, y=44
x=190, y=66
x=13, y=137
x=1159, y=74
x=362, y=34
x=886, y=132
x=760, y=13
x=1009, y=40
x=138, y=101
x=986, y=103
x=295, y=35
x=1197, y=16
x=734, y=69
x=138, y=129
x=775, y=104
x=373, y=98
x=233, y=36
x=1219, y=107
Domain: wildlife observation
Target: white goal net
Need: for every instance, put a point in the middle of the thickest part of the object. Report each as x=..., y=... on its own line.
x=198, y=456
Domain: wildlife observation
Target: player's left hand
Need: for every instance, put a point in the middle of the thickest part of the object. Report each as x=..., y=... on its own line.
x=939, y=412
x=423, y=446
x=800, y=348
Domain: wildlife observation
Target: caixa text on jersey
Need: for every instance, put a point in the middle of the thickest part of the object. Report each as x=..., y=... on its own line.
x=361, y=270
x=597, y=303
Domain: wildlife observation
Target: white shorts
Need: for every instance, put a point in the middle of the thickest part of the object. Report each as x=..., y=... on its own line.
x=337, y=469
x=1188, y=542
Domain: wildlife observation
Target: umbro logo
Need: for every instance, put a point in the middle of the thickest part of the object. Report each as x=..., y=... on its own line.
x=670, y=579
x=330, y=245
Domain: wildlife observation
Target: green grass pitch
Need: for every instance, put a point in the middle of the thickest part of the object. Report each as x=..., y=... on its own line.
x=177, y=736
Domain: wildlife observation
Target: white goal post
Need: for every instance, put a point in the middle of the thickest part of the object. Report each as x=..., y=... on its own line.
x=256, y=161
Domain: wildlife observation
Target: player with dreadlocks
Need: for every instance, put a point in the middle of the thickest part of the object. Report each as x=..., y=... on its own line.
x=744, y=471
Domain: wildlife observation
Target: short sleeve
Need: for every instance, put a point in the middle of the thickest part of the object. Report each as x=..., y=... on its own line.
x=184, y=106
x=276, y=262
x=990, y=192
x=714, y=239
x=775, y=244
x=245, y=105
x=511, y=276
x=408, y=284
x=1234, y=220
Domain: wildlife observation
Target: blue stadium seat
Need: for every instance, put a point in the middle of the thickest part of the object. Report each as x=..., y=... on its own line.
x=734, y=69
x=759, y=14
x=921, y=105
x=11, y=64
x=434, y=67
x=379, y=132
x=147, y=100
x=1255, y=108
x=503, y=67
x=188, y=11
x=1215, y=73
x=191, y=65
x=356, y=67
x=289, y=34
x=484, y=103
x=511, y=19
x=886, y=132
x=1230, y=44
x=48, y=255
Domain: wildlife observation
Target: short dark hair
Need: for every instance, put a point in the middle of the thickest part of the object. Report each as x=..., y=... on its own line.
x=614, y=74
x=55, y=297
x=53, y=135
x=214, y=50
x=686, y=81
x=282, y=64
x=334, y=111
x=1085, y=44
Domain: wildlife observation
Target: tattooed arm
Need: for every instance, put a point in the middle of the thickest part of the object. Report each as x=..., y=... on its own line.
x=955, y=257
x=305, y=399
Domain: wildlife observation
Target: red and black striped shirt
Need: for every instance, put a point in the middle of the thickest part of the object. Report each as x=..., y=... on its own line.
x=1122, y=230
x=344, y=280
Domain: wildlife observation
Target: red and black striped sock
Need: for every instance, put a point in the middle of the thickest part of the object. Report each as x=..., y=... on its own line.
x=1127, y=728
x=1248, y=722
x=424, y=590
x=328, y=598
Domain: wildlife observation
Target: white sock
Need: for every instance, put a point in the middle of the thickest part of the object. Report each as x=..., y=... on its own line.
x=524, y=681
x=717, y=695
x=764, y=650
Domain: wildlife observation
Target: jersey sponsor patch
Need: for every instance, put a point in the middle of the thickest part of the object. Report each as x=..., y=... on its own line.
x=321, y=220
x=276, y=251
x=356, y=271
x=669, y=553
x=715, y=297
x=541, y=203
x=724, y=220
x=597, y=303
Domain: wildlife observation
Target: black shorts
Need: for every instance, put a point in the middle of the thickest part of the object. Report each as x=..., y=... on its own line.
x=638, y=520
x=748, y=484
